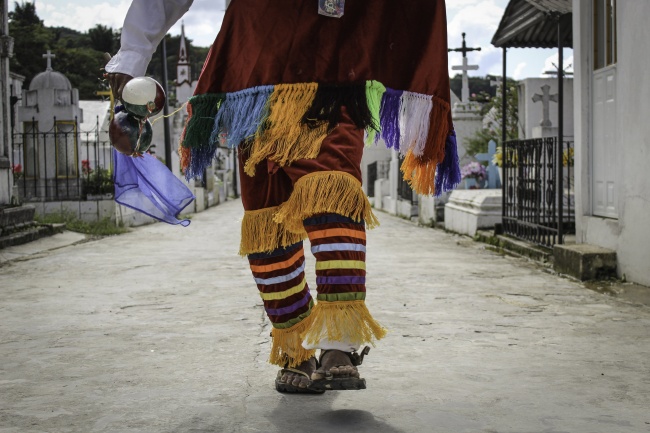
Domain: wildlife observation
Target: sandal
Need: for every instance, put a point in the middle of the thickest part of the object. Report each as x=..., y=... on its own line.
x=331, y=383
x=289, y=388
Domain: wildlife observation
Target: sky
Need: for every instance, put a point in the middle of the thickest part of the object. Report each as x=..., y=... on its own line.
x=479, y=19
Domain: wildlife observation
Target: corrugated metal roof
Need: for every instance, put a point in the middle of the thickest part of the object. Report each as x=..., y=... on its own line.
x=532, y=24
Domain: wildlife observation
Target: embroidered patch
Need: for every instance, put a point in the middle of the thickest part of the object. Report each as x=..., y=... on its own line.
x=331, y=8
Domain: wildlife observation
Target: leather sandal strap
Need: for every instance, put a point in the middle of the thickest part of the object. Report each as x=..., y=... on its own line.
x=355, y=357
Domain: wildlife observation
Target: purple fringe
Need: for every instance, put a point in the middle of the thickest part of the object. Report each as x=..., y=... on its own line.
x=240, y=115
x=200, y=158
x=448, y=171
x=389, y=118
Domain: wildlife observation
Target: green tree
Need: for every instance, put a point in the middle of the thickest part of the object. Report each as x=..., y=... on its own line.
x=478, y=143
x=31, y=40
x=102, y=39
x=82, y=66
x=25, y=13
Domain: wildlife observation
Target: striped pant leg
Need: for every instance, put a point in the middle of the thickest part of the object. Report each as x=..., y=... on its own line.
x=340, y=319
x=280, y=278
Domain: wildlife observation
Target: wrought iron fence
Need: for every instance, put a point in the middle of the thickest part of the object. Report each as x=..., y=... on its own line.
x=376, y=170
x=63, y=163
x=538, y=199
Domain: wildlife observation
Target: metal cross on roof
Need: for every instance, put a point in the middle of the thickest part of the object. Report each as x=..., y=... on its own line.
x=49, y=56
x=463, y=49
x=464, y=67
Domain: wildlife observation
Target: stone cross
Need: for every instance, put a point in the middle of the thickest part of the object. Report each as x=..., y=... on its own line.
x=493, y=180
x=497, y=83
x=464, y=67
x=49, y=56
x=546, y=99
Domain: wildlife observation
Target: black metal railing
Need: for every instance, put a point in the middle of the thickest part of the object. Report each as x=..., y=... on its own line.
x=63, y=163
x=372, y=177
x=404, y=190
x=538, y=199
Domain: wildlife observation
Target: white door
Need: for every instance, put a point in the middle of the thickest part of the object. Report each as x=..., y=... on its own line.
x=604, y=144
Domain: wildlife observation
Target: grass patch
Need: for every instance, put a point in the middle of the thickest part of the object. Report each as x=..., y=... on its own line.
x=105, y=227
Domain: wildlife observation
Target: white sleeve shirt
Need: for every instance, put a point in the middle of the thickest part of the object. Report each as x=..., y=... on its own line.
x=146, y=23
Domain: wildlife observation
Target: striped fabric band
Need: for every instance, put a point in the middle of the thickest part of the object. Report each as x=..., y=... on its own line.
x=340, y=264
x=331, y=233
x=337, y=247
x=290, y=308
x=283, y=278
x=276, y=296
x=330, y=218
x=278, y=252
x=340, y=280
x=280, y=276
x=277, y=266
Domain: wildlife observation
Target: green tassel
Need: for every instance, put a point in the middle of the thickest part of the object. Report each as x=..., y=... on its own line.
x=374, y=92
x=201, y=121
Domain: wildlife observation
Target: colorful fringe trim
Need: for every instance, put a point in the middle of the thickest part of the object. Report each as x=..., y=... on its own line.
x=196, y=150
x=287, y=122
x=241, y=115
x=286, y=347
x=325, y=192
x=342, y=321
x=285, y=138
x=261, y=234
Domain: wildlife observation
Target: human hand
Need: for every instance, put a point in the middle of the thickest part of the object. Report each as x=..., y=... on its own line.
x=116, y=80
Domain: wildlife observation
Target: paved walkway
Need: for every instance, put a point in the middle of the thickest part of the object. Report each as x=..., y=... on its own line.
x=160, y=330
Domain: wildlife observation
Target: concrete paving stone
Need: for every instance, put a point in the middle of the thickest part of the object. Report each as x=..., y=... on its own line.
x=161, y=330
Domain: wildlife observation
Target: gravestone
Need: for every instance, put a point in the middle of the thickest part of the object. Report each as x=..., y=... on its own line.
x=493, y=178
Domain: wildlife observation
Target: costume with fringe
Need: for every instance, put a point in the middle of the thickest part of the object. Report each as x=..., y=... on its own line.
x=295, y=92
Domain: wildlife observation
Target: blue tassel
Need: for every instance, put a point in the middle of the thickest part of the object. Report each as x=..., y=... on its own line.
x=448, y=171
x=389, y=118
x=201, y=157
x=241, y=115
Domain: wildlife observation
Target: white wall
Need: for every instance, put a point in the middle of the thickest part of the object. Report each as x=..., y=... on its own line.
x=531, y=113
x=630, y=234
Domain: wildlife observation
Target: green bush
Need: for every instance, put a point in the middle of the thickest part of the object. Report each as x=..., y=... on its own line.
x=105, y=227
x=99, y=181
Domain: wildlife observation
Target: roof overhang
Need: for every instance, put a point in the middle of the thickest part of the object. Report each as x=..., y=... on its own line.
x=533, y=24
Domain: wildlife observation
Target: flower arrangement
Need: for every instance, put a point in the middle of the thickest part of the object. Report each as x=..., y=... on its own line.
x=497, y=158
x=86, y=169
x=567, y=157
x=473, y=170
x=17, y=171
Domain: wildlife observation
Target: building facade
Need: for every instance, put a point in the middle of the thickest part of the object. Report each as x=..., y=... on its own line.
x=612, y=132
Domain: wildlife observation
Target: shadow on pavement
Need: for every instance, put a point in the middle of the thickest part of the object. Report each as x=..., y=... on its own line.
x=315, y=414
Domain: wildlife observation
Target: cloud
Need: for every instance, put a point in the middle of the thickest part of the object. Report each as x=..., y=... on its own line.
x=479, y=19
x=83, y=17
x=519, y=71
x=202, y=21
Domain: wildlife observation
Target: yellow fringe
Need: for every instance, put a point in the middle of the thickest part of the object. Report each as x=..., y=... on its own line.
x=284, y=138
x=286, y=347
x=261, y=234
x=343, y=321
x=420, y=175
x=325, y=192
